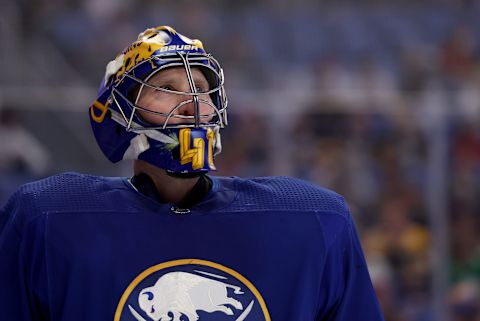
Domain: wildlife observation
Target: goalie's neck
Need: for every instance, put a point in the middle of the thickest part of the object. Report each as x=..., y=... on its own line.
x=156, y=183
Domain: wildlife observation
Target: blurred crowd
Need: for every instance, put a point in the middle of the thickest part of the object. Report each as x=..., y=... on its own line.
x=376, y=86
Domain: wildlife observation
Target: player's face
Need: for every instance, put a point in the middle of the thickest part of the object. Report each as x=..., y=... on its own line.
x=174, y=78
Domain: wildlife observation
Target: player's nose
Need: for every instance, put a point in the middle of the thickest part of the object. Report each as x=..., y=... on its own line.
x=188, y=109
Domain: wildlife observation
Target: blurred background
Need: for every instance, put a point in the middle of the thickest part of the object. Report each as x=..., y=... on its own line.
x=377, y=100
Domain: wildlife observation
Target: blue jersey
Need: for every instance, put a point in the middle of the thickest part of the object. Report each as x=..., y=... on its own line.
x=75, y=247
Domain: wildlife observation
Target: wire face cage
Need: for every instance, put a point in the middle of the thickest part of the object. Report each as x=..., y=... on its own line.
x=216, y=101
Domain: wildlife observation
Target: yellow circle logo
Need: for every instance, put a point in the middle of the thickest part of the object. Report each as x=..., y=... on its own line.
x=191, y=290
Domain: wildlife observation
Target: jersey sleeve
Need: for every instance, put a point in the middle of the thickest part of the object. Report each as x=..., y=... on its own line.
x=346, y=291
x=23, y=281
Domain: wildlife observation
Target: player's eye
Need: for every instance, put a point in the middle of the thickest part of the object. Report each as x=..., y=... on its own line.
x=166, y=87
x=201, y=88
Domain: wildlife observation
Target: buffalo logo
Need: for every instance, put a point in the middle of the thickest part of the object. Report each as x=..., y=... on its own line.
x=191, y=290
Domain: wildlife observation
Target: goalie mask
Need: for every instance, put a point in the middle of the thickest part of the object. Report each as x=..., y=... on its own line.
x=182, y=137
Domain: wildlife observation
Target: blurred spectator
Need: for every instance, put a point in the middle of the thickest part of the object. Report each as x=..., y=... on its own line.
x=464, y=299
x=249, y=142
x=458, y=56
x=404, y=245
x=466, y=167
x=22, y=156
x=21, y=151
x=414, y=71
x=465, y=247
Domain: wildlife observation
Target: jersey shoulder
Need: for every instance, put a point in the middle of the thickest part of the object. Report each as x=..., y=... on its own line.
x=64, y=192
x=285, y=194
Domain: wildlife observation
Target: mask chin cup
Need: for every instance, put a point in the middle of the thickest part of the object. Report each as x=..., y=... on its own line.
x=181, y=152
